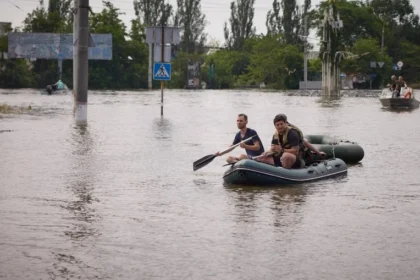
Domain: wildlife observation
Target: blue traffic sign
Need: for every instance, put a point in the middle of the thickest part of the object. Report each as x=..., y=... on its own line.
x=162, y=71
x=60, y=56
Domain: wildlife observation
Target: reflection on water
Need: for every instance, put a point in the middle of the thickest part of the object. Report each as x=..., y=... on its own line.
x=283, y=202
x=329, y=102
x=162, y=128
x=399, y=110
x=81, y=184
x=83, y=218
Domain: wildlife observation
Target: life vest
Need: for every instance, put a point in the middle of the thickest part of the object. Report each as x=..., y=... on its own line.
x=303, y=151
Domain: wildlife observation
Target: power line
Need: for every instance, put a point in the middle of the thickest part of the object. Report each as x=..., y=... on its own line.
x=15, y=5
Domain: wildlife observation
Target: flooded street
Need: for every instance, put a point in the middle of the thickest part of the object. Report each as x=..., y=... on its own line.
x=118, y=198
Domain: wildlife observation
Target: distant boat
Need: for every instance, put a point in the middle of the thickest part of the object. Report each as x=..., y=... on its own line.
x=50, y=91
x=398, y=102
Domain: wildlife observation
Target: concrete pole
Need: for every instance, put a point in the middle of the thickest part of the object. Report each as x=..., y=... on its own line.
x=150, y=66
x=305, y=55
x=163, y=60
x=60, y=68
x=382, y=39
x=82, y=62
x=75, y=32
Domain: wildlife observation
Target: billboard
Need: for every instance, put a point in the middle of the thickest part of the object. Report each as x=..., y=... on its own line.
x=54, y=46
x=193, y=74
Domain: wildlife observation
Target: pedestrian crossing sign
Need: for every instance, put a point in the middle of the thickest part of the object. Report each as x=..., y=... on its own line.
x=162, y=71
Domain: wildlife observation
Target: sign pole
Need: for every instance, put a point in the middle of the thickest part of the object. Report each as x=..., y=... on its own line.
x=150, y=66
x=60, y=66
x=162, y=67
x=162, y=82
x=82, y=62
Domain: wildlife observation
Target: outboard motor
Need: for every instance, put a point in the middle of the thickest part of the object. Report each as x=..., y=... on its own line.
x=49, y=89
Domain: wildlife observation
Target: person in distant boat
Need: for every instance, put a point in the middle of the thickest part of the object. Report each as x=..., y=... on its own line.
x=59, y=85
x=401, y=82
x=404, y=84
x=394, y=86
x=253, y=147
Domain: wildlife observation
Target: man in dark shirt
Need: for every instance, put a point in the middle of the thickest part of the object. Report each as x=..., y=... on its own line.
x=394, y=86
x=253, y=147
x=286, y=144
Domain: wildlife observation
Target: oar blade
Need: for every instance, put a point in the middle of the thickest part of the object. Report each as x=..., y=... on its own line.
x=203, y=162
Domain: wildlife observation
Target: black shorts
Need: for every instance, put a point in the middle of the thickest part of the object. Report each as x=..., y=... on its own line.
x=299, y=163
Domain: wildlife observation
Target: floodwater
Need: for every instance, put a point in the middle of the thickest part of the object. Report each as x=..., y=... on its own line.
x=118, y=199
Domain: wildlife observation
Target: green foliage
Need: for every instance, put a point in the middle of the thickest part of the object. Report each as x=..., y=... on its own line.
x=274, y=19
x=15, y=75
x=392, y=10
x=192, y=22
x=179, y=69
x=152, y=12
x=275, y=58
x=127, y=68
x=366, y=51
x=410, y=54
x=359, y=22
x=241, y=24
x=229, y=65
x=271, y=62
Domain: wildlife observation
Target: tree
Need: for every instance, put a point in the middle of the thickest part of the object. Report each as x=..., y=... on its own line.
x=274, y=20
x=14, y=73
x=152, y=12
x=53, y=19
x=358, y=20
x=191, y=21
x=290, y=20
x=127, y=68
x=366, y=51
x=270, y=57
x=229, y=64
x=57, y=18
x=241, y=24
x=392, y=10
x=398, y=23
x=410, y=54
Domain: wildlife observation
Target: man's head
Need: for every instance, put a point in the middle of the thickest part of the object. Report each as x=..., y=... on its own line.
x=393, y=77
x=242, y=121
x=280, y=122
x=400, y=78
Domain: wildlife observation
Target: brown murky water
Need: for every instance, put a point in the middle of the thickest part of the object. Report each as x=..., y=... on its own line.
x=118, y=199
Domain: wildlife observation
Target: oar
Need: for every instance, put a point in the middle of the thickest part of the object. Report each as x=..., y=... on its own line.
x=253, y=158
x=207, y=159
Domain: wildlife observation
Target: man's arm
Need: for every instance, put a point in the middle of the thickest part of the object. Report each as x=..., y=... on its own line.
x=235, y=141
x=293, y=139
x=312, y=148
x=255, y=143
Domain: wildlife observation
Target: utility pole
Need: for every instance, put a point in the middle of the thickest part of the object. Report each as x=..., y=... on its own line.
x=163, y=59
x=305, y=55
x=82, y=63
x=75, y=32
x=150, y=65
x=382, y=40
